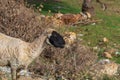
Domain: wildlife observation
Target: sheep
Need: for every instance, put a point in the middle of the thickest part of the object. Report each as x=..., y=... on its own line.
x=16, y=52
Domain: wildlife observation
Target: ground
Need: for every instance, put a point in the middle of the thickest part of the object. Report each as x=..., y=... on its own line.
x=67, y=65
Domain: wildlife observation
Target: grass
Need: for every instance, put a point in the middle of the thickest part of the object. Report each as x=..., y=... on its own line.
x=109, y=27
x=63, y=6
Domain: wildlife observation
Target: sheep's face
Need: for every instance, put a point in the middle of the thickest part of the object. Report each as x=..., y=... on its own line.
x=56, y=40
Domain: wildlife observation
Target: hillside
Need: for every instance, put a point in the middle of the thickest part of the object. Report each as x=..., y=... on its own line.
x=83, y=58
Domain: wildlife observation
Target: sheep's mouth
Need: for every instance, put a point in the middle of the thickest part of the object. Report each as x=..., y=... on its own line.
x=56, y=40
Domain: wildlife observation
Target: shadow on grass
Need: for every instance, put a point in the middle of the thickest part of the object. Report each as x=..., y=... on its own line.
x=54, y=6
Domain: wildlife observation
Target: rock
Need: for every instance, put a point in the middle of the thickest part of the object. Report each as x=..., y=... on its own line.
x=95, y=48
x=104, y=67
x=57, y=22
x=110, y=69
x=88, y=15
x=70, y=37
x=58, y=15
x=25, y=73
x=41, y=6
x=117, y=53
x=105, y=40
x=5, y=69
x=80, y=35
x=93, y=24
x=107, y=55
x=104, y=61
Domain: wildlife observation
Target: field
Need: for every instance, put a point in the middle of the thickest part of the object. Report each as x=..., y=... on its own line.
x=109, y=27
x=93, y=34
x=71, y=63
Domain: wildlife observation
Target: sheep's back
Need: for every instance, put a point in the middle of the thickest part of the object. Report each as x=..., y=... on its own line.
x=10, y=48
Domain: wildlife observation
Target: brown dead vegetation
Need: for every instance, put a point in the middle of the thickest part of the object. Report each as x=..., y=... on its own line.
x=70, y=63
x=18, y=21
x=71, y=18
x=60, y=19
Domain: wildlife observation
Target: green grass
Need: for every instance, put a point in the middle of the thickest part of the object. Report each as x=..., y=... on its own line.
x=109, y=27
x=55, y=7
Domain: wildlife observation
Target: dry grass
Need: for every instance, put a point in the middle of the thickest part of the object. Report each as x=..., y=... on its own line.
x=71, y=63
x=18, y=21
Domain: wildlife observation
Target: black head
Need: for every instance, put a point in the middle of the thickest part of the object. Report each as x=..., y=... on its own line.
x=56, y=40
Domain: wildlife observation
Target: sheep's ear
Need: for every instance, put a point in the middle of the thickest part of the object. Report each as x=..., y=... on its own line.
x=48, y=42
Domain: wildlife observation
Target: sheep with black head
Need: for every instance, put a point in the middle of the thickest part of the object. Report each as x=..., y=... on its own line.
x=17, y=52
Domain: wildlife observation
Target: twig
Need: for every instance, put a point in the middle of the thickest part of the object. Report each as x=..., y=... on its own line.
x=87, y=22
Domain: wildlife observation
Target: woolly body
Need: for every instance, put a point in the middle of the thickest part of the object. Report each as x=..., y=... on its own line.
x=18, y=52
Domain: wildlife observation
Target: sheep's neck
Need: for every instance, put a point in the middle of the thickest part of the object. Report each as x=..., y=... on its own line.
x=37, y=46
